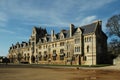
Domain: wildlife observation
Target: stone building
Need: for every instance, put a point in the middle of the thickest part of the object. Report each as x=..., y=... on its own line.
x=85, y=45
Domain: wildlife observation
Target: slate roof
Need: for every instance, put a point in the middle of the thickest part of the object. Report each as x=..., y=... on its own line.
x=39, y=30
x=86, y=29
x=89, y=28
x=66, y=33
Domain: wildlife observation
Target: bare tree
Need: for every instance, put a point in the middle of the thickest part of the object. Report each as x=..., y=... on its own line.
x=113, y=29
x=113, y=25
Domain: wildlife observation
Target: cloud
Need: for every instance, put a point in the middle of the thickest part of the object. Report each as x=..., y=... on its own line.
x=6, y=31
x=93, y=4
x=3, y=19
x=88, y=19
x=60, y=12
x=21, y=29
x=52, y=13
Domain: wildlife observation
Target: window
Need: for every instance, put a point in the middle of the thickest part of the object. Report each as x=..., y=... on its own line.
x=46, y=46
x=85, y=40
x=67, y=54
x=32, y=43
x=40, y=56
x=54, y=39
x=25, y=57
x=87, y=48
x=45, y=55
x=33, y=39
x=77, y=41
x=77, y=49
x=54, y=51
x=61, y=43
x=53, y=45
x=61, y=50
x=33, y=32
x=62, y=54
x=88, y=39
x=61, y=37
x=54, y=55
x=28, y=56
x=39, y=47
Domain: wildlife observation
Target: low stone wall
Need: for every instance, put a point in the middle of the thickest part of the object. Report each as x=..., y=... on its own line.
x=116, y=61
x=58, y=62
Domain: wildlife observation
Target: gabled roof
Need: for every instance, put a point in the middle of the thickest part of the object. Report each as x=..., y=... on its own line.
x=66, y=33
x=89, y=28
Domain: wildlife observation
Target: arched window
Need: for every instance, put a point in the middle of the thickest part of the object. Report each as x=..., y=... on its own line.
x=87, y=48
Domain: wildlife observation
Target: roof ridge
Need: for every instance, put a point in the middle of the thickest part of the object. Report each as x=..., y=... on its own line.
x=87, y=25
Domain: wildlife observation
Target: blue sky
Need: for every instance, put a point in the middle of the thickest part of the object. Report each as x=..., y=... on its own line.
x=17, y=17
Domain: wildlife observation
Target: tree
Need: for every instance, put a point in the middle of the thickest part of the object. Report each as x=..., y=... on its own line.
x=113, y=25
x=113, y=30
x=113, y=49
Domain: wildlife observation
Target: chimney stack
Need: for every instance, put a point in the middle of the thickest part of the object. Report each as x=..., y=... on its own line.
x=52, y=35
x=71, y=29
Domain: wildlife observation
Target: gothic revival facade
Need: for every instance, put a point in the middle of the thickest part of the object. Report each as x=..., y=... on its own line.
x=85, y=45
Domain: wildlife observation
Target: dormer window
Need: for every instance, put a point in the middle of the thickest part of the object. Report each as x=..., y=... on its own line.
x=61, y=37
x=54, y=39
x=45, y=39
